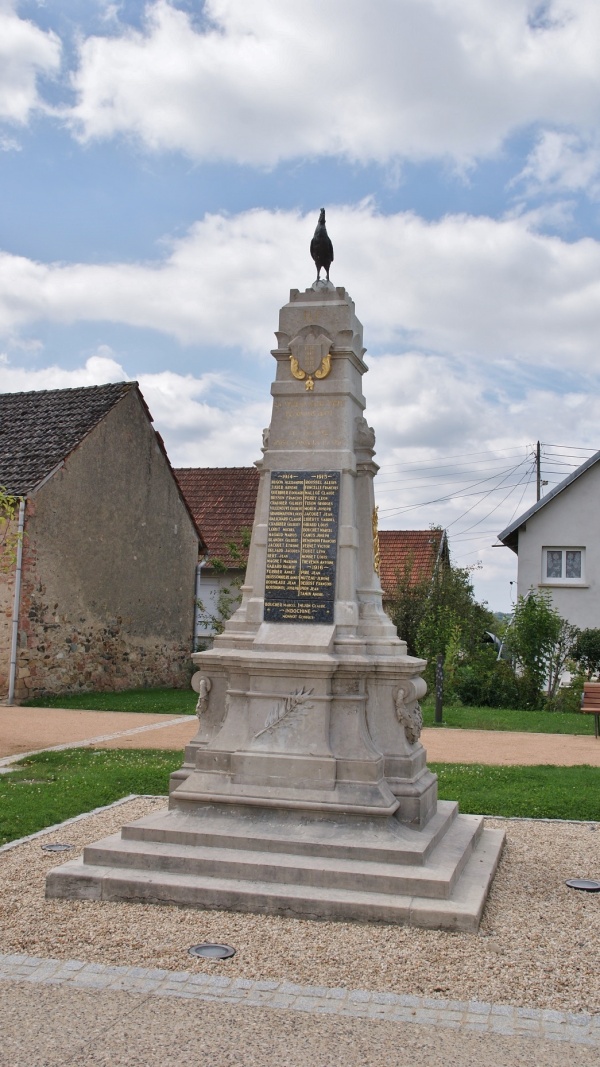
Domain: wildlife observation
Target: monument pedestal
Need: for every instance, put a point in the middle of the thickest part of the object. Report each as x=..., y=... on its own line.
x=306, y=791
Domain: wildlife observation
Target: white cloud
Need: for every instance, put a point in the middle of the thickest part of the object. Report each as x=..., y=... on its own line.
x=200, y=425
x=26, y=52
x=262, y=82
x=203, y=422
x=213, y=286
x=9, y=144
x=478, y=288
x=97, y=370
x=563, y=161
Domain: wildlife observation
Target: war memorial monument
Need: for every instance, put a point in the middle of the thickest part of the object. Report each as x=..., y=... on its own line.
x=305, y=791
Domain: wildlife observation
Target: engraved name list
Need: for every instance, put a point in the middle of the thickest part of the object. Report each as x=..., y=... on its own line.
x=302, y=546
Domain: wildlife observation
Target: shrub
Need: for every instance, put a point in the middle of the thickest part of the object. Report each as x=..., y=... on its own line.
x=568, y=697
x=493, y=685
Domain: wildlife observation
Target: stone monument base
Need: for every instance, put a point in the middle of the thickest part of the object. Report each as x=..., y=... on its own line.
x=306, y=790
x=343, y=867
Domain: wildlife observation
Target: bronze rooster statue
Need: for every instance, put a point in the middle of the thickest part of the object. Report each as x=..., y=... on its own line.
x=321, y=248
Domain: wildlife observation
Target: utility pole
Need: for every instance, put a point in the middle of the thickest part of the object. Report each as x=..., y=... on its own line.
x=538, y=462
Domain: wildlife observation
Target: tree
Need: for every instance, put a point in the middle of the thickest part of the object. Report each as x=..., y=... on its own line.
x=539, y=641
x=439, y=615
x=451, y=604
x=408, y=603
x=9, y=537
x=587, y=651
x=562, y=652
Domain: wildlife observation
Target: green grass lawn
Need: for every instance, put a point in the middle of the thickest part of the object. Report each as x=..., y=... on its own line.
x=52, y=786
x=530, y=792
x=539, y=722
x=165, y=701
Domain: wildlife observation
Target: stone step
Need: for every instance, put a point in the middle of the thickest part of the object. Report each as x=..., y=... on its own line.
x=461, y=911
x=436, y=879
x=375, y=840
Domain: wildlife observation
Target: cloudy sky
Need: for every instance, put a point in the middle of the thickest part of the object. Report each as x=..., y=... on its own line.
x=162, y=165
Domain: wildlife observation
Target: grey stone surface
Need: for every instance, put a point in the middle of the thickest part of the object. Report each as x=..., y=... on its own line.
x=306, y=790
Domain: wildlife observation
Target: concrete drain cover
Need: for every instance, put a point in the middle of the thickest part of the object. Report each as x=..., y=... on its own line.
x=589, y=885
x=57, y=848
x=212, y=952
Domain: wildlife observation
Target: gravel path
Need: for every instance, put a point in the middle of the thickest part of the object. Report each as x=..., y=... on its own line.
x=537, y=944
x=65, y=1026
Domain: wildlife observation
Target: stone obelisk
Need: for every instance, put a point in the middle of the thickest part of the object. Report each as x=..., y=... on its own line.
x=306, y=789
x=306, y=692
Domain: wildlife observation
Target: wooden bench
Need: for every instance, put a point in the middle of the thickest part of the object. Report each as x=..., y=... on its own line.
x=590, y=703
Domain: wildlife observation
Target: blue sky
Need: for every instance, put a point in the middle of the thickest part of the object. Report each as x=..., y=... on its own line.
x=162, y=165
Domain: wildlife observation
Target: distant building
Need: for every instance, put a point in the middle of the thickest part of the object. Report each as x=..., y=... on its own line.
x=109, y=546
x=223, y=501
x=421, y=552
x=558, y=547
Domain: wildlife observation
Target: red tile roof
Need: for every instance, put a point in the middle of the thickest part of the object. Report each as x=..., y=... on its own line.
x=400, y=548
x=222, y=501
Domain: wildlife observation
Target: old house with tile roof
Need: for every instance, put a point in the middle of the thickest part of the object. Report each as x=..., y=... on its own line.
x=418, y=552
x=102, y=593
x=556, y=541
x=223, y=501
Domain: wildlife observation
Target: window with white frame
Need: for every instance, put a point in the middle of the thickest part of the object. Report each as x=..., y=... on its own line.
x=563, y=565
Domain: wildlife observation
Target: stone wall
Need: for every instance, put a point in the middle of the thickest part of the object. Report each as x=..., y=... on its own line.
x=7, y=586
x=109, y=561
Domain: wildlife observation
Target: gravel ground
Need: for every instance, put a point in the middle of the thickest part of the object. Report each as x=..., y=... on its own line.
x=537, y=945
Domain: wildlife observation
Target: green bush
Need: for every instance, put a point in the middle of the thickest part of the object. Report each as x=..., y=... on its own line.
x=492, y=683
x=568, y=697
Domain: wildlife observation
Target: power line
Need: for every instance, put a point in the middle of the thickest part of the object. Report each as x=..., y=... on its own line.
x=520, y=498
x=499, y=504
x=450, y=496
x=580, y=448
x=483, y=469
x=462, y=475
x=460, y=455
x=484, y=497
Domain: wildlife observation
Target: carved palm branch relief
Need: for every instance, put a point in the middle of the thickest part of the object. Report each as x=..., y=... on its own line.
x=286, y=710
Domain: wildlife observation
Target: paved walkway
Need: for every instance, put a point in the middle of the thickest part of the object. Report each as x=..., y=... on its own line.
x=28, y=730
x=503, y=747
x=25, y=730
x=91, y=1013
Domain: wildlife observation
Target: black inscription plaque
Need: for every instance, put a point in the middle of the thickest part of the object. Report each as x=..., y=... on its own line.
x=302, y=546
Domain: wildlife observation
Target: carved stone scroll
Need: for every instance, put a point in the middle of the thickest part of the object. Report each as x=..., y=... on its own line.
x=408, y=711
x=202, y=686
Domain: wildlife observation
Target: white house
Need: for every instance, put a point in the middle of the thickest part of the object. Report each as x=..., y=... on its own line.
x=558, y=544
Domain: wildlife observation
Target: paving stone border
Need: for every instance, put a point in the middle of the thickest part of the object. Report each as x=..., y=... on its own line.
x=546, y=1024
x=79, y=818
